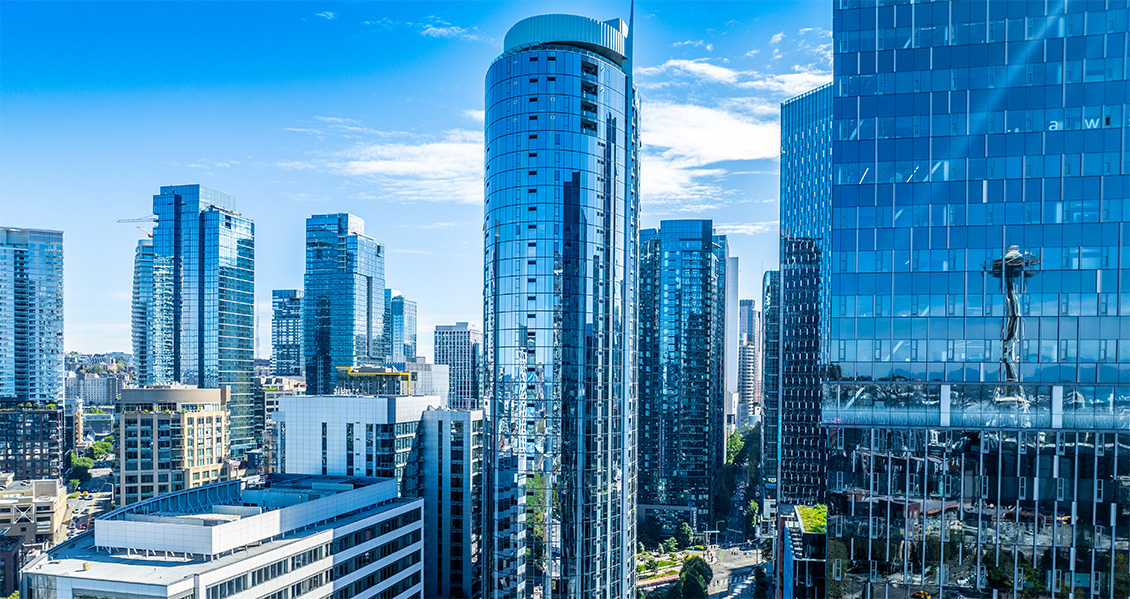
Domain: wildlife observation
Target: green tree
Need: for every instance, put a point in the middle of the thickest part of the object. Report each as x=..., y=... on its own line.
x=735, y=445
x=751, y=512
x=80, y=468
x=699, y=566
x=685, y=535
x=694, y=587
x=670, y=545
x=74, y=483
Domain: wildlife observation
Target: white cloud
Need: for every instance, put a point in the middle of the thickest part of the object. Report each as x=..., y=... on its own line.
x=694, y=44
x=440, y=225
x=696, y=68
x=407, y=251
x=398, y=166
x=746, y=228
x=789, y=84
x=777, y=37
x=327, y=15
x=753, y=52
x=685, y=146
x=475, y=115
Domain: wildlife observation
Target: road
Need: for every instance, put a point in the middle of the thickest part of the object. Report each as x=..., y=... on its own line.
x=100, y=498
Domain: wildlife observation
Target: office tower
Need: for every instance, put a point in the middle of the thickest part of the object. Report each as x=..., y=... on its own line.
x=275, y=537
x=770, y=392
x=682, y=379
x=977, y=417
x=267, y=391
x=72, y=423
x=172, y=437
x=561, y=235
x=31, y=315
x=400, y=327
x=34, y=510
x=749, y=363
x=451, y=484
x=31, y=440
x=460, y=347
x=286, y=332
x=194, y=300
x=344, y=301
x=344, y=435
x=806, y=167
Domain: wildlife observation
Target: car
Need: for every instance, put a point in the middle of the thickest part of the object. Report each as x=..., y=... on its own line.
x=920, y=595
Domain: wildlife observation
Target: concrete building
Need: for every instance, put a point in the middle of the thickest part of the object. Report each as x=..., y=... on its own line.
x=342, y=435
x=460, y=348
x=451, y=482
x=31, y=315
x=33, y=509
x=31, y=440
x=267, y=390
x=749, y=363
x=171, y=437
x=427, y=378
x=278, y=537
x=93, y=389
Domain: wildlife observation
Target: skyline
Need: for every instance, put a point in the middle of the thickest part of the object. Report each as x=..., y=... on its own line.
x=287, y=109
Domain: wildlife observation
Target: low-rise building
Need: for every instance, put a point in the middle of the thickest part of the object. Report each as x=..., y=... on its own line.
x=33, y=509
x=31, y=440
x=275, y=537
x=373, y=380
x=171, y=437
x=801, y=534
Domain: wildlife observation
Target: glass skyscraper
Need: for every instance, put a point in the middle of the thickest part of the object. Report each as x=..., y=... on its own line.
x=806, y=176
x=344, y=300
x=682, y=356
x=979, y=405
x=561, y=251
x=749, y=362
x=400, y=327
x=771, y=387
x=286, y=332
x=31, y=315
x=202, y=304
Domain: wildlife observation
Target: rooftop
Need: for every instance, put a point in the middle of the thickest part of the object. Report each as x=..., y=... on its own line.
x=814, y=518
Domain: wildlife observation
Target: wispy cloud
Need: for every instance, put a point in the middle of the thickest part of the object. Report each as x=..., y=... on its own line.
x=399, y=166
x=802, y=79
x=440, y=225
x=747, y=228
x=698, y=68
x=688, y=149
x=475, y=115
x=777, y=37
x=327, y=15
x=694, y=44
x=437, y=27
x=407, y=251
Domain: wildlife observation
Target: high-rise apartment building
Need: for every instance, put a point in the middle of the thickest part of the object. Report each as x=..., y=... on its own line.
x=749, y=363
x=31, y=315
x=561, y=236
x=286, y=332
x=682, y=378
x=770, y=392
x=400, y=327
x=451, y=478
x=32, y=439
x=806, y=175
x=343, y=307
x=171, y=437
x=194, y=300
x=978, y=405
x=460, y=347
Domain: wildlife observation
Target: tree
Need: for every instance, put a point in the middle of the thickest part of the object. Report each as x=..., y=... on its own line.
x=734, y=448
x=694, y=587
x=670, y=545
x=685, y=535
x=699, y=566
x=74, y=483
x=80, y=468
x=752, y=510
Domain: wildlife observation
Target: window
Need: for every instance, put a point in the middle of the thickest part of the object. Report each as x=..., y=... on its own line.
x=1022, y=483
x=1060, y=489
x=838, y=569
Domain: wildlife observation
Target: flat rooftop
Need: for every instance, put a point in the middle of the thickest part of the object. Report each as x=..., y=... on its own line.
x=80, y=558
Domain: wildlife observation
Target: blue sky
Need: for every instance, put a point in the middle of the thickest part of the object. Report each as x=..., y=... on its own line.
x=373, y=108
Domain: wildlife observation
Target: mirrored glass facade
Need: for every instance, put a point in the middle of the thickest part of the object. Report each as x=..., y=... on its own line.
x=561, y=250
x=682, y=318
x=806, y=167
x=400, y=327
x=203, y=271
x=344, y=297
x=979, y=403
x=31, y=315
x=286, y=333
x=771, y=385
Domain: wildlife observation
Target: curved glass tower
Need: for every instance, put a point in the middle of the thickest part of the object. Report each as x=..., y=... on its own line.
x=561, y=236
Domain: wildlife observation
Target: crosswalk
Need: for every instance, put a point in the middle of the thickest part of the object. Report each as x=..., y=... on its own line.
x=738, y=586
